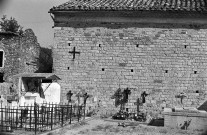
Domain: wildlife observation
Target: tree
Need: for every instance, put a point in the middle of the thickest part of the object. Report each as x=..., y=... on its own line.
x=10, y=25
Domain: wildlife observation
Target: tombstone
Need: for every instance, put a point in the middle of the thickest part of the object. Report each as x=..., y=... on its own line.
x=3, y=104
x=85, y=97
x=3, y=101
x=69, y=95
x=30, y=98
x=144, y=95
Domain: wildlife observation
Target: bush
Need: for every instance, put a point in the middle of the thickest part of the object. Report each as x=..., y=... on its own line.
x=10, y=25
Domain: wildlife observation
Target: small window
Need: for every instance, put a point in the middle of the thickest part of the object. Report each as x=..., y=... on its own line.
x=1, y=58
x=46, y=81
x=1, y=77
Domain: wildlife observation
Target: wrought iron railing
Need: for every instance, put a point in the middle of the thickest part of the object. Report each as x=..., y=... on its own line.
x=39, y=118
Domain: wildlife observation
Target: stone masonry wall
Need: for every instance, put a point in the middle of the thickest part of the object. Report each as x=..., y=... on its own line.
x=162, y=62
x=19, y=51
x=10, y=45
x=29, y=52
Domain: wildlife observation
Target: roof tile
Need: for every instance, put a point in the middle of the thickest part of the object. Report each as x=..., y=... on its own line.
x=163, y=5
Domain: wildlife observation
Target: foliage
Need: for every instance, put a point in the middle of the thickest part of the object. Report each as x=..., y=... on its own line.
x=10, y=25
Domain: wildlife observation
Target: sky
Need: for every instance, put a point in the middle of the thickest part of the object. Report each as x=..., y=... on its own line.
x=32, y=14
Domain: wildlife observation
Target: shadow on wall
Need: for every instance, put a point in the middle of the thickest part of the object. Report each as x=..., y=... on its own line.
x=127, y=25
x=203, y=106
x=205, y=133
x=45, y=61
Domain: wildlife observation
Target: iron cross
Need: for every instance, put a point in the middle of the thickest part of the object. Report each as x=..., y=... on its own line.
x=74, y=52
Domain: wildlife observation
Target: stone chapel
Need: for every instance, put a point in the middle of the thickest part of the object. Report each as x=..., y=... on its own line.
x=154, y=46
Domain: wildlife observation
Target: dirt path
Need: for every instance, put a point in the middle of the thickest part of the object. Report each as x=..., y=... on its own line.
x=85, y=126
x=101, y=127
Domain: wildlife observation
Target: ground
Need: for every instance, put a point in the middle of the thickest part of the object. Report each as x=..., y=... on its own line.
x=98, y=126
x=102, y=127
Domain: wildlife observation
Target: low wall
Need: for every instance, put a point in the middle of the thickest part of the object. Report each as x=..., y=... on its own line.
x=185, y=120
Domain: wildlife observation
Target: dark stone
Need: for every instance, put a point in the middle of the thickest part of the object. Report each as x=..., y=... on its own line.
x=121, y=35
x=157, y=81
x=122, y=64
x=87, y=34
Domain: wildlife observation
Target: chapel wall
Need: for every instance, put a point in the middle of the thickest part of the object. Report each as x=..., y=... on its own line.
x=161, y=61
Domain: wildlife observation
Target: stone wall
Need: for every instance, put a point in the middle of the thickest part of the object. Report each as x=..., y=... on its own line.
x=30, y=52
x=19, y=50
x=162, y=62
x=10, y=45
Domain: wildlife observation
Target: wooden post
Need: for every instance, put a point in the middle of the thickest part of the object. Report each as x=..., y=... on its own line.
x=137, y=106
x=78, y=113
x=84, y=111
x=71, y=110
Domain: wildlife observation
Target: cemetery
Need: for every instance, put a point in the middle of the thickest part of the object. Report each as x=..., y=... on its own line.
x=119, y=67
x=37, y=110
x=37, y=107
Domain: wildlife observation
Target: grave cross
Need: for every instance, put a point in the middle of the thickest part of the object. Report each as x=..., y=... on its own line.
x=127, y=92
x=85, y=96
x=74, y=52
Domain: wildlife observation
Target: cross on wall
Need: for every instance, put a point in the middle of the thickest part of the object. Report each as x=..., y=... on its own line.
x=74, y=52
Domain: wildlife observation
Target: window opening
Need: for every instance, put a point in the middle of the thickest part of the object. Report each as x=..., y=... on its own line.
x=1, y=58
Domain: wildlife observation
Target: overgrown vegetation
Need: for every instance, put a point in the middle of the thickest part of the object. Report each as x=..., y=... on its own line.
x=45, y=61
x=10, y=25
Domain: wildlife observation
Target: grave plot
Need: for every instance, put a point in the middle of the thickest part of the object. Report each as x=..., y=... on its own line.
x=121, y=99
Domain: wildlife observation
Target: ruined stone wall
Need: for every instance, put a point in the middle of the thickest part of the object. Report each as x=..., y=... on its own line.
x=30, y=52
x=162, y=62
x=19, y=50
x=10, y=45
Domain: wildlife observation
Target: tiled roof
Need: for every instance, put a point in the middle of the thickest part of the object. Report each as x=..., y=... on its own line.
x=162, y=5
